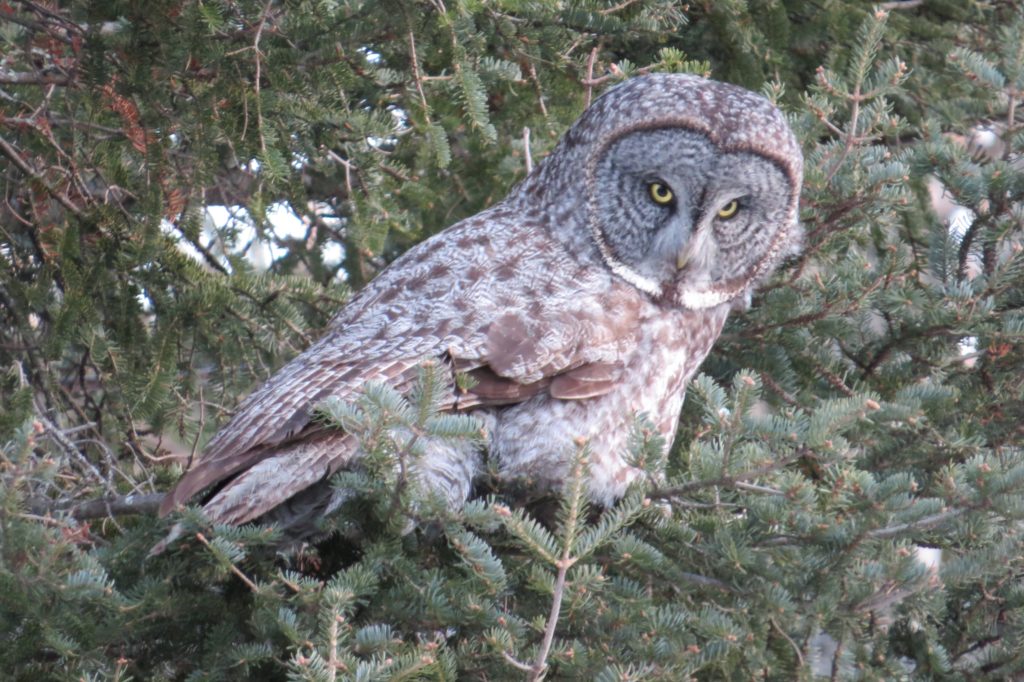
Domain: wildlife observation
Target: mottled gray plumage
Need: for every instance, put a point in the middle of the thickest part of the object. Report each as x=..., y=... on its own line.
x=577, y=302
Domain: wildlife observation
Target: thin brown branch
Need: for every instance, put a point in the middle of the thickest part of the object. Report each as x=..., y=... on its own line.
x=417, y=77
x=25, y=167
x=778, y=390
x=901, y=4
x=103, y=507
x=964, y=253
x=885, y=533
x=851, y=136
x=754, y=488
x=723, y=481
x=255, y=47
x=50, y=14
x=526, y=150
x=925, y=523
x=796, y=649
x=516, y=662
x=617, y=8
x=589, y=82
x=836, y=658
x=1011, y=121
x=540, y=91
x=234, y=569
x=207, y=255
x=69, y=448
x=705, y=581
x=34, y=78
x=541, y=663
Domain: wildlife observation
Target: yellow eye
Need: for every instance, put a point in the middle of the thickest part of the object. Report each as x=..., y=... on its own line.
x=729, y=210
x=660, y=193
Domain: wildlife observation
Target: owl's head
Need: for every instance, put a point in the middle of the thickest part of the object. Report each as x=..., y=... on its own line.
x=691, y=186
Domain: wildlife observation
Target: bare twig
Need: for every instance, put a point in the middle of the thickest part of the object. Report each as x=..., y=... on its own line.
x=901, y=4
x=851, y=135
x=1011, y=123
x=775, y=388
x=255, y=47
x=69, y=26
x=799, y=654
x=199, y=430
x=540, y=664
x=590, y=75
x=526, y=150
x=234, y=569
x=69, y=448
x=516, y=662
x=417, y=77
x=540, y=91
x=836, y=657
x=617, y=8
x=925, y=523
x=562, y=564
x=102, y=507
x=705, y=581
x=750, y=487
x=207, y=255
x=332, y=653
x=349, y=167
x=23, y=165
x=12, y=78
x=723, y=481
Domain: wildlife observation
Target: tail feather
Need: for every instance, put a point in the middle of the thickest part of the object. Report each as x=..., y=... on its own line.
x=281, y=476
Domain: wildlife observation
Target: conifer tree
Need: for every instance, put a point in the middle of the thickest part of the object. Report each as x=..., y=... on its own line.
x=192, y=188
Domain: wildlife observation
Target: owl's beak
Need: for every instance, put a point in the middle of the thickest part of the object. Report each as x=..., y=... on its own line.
x=683, y=257
x=693, y=249
x=688, y=235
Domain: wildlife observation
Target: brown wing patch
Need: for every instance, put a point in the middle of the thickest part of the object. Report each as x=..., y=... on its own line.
x=586, y=381
x=509, y=343
x=492, y=390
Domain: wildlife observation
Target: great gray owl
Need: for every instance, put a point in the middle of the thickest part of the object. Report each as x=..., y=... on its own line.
x=590, y=294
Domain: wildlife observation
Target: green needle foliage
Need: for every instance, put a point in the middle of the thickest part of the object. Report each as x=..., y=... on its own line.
x=191, y=189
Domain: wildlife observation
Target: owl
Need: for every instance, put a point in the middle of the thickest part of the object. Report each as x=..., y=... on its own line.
x=589, y=295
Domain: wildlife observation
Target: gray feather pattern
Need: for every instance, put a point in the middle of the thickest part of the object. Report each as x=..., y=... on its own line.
x=566, y=302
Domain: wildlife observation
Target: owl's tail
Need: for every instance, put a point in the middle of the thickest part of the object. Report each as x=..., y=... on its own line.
x=290, y=488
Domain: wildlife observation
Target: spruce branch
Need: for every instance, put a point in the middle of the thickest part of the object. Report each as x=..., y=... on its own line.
x=227, y=561
x=926, y=523
x=207, y=255
x=885, y=533
x=25, y=167
x=572, y=509
x=727, y=481
x=332, y=648
x=540, y=663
